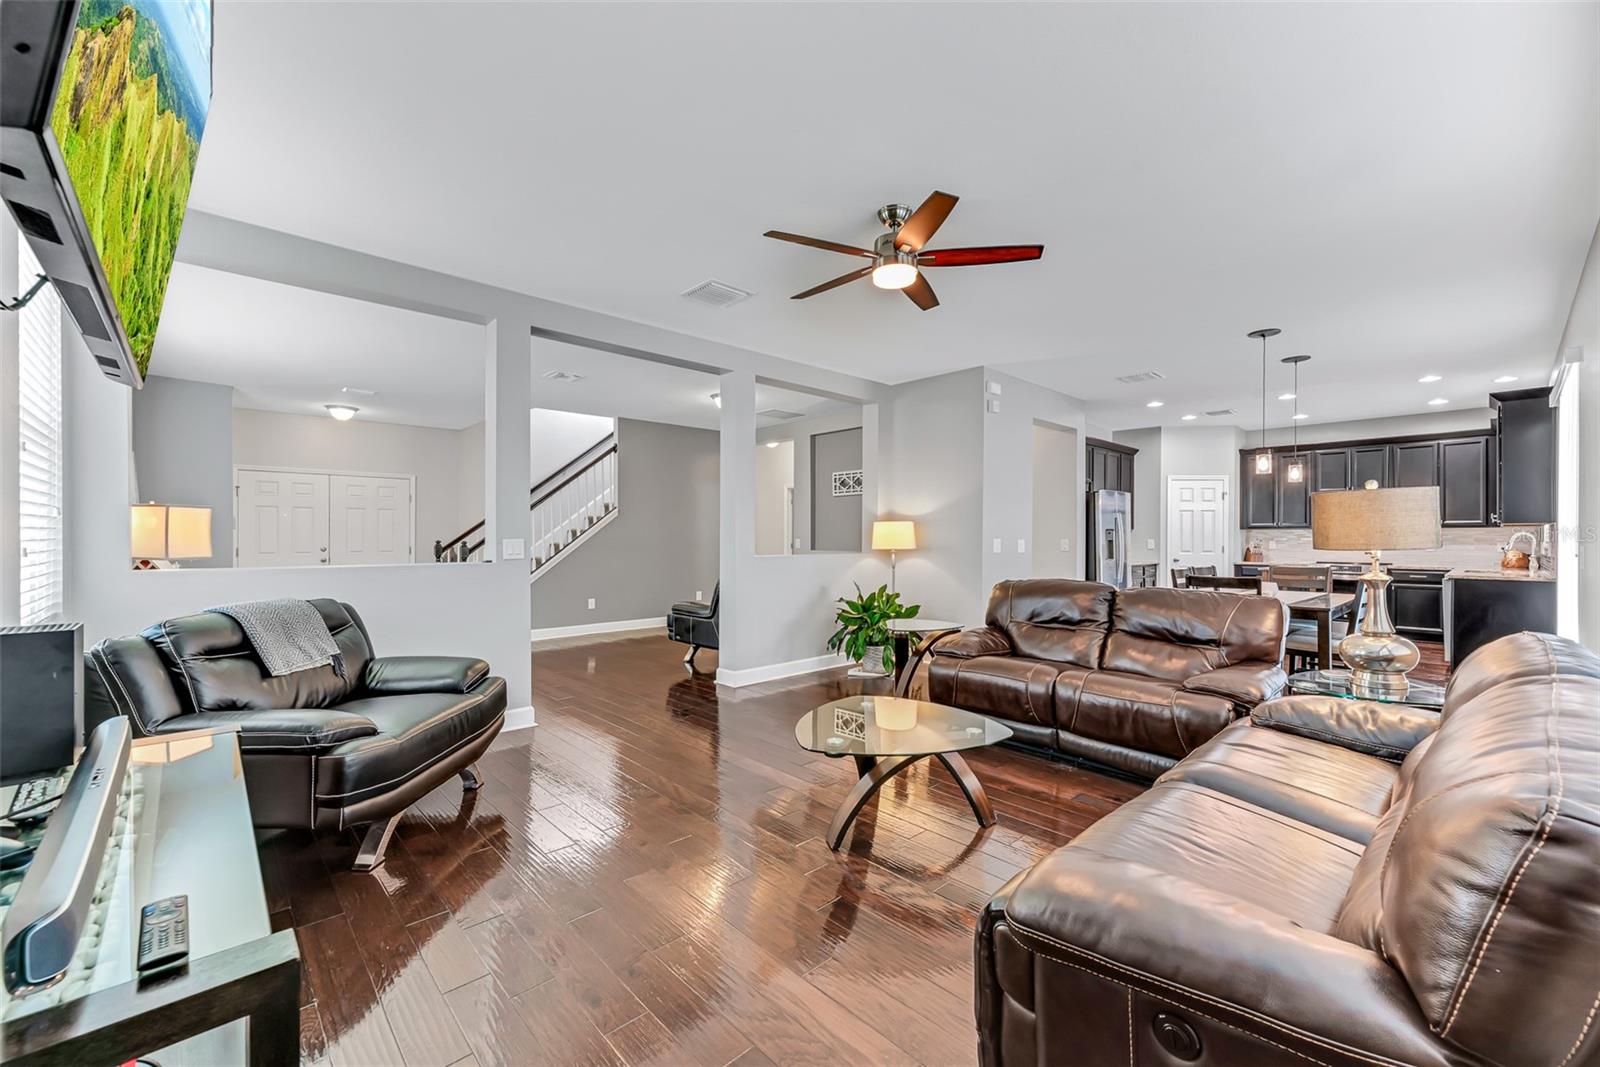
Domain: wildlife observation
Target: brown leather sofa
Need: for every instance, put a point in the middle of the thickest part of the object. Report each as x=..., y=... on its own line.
x=1135, y=679
x=320, y=750
x=1330, y=882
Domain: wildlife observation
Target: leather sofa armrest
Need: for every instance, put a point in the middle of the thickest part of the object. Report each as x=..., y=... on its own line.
x=1243, y=683
x=1387, y=731
x=978, y=641
x=307, y=730
x=397, y=675
x=1220, y=955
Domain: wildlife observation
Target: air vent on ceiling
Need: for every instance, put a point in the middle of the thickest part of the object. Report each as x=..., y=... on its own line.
x=778, y=413
x=1222, y=411
x=716, y=294
x=1142, y=376
x=562, y=376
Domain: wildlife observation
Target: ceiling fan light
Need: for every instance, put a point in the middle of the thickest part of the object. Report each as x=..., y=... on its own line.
x=894, y=274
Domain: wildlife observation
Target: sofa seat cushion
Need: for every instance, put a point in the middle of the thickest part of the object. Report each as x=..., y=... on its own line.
x=415, y=730
x=1140, y=712
x=1007, y=687
x=1326, y=786
x=1221, y=844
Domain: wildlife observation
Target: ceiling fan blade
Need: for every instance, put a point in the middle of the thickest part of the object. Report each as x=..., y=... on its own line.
x=974, y=257
x=834, y=284
x=921, y=294
x=918, y=230
x=817, y=242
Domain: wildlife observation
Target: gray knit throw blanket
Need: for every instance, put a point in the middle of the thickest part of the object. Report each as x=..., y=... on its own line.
x=288, y=635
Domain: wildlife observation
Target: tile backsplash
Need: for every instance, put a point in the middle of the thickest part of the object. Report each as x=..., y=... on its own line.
x=1476, y=547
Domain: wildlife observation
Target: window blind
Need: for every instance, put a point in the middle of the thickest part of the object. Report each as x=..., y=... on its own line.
x=39, y=448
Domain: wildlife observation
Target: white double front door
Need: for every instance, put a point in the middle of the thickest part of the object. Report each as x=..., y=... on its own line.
x=289, y=518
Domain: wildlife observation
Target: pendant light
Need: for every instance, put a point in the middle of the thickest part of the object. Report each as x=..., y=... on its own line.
x=1297, y=462
x=1264, y=454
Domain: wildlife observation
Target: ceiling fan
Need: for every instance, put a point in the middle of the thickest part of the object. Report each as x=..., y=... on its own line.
x=899, y=255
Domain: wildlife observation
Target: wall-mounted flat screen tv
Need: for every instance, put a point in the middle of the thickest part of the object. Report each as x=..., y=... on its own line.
x=102, y=107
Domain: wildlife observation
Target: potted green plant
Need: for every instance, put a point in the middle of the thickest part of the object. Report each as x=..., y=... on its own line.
x=863, y=632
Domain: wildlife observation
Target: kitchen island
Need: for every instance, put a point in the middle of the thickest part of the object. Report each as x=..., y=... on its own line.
x=1482, y=605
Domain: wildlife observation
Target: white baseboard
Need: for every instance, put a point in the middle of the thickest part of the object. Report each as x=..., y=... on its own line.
x=518, y=719
x=551, y=632
x=773, y=671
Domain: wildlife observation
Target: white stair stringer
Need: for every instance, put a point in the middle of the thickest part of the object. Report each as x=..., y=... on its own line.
x=536, y=569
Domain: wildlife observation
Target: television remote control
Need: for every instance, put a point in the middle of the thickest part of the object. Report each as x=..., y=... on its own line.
x=163, y=934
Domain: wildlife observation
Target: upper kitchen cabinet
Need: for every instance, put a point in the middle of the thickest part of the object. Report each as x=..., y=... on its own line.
x=1110, y=467
x=1466, y=481
x=1330, y=469
x=1294, y=498
x=1369, y=463
x=1525, y=432
x=1413, y=464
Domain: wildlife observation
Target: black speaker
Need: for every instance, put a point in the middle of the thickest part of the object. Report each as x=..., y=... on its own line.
x=41, y=699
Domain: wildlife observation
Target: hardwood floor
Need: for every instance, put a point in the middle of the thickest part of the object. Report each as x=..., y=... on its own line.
x=642, y=880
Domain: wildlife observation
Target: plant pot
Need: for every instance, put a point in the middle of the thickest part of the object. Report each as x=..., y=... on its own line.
x=871, y=664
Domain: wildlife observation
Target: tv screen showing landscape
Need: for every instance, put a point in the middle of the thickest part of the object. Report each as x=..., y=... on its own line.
x=129, y=113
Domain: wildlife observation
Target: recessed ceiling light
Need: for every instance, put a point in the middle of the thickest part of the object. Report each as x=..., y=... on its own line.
x=342, y=412
x=1285, y=396
x=1301, y=415
x=1436, y=401
x=1156, y=404
x=1426, y=378
x=1188, y=418
x=772, y=444
x=1504, y=378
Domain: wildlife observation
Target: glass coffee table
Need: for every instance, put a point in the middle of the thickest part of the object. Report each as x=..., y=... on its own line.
x=885, y=735
x=1336, y=683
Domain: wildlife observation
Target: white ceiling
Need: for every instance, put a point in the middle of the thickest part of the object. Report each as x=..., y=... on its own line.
x=288, y=349
x=1402, y=188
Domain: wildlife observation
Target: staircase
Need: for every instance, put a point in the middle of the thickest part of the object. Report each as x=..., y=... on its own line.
x=564, y=510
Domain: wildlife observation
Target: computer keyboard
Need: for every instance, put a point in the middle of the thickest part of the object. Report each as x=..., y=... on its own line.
x=106, y=946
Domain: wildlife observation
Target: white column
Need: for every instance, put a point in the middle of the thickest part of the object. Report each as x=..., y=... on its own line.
x=740, y=606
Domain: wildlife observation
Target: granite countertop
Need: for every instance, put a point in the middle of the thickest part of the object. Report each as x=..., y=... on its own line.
x=1501, y=575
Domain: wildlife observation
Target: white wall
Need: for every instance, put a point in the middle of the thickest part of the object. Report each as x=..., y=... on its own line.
x=183, y=453
x=556, y=438
x=1058, y=502
x=434, y=458
x=1583, y=331
x=800, y=431
x=1149, y=493
x=774, y=481
x=1427, y=422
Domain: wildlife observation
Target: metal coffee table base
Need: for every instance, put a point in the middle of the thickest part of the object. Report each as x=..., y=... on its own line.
x=876, y=770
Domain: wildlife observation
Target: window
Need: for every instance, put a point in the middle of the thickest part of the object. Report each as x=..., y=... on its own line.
x=39, y=448
x=1569, y=539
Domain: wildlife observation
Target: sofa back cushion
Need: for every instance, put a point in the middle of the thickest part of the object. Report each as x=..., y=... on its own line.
x=1480, y=885
x=1053, y=619
x=1176, y=634
x=213, y=667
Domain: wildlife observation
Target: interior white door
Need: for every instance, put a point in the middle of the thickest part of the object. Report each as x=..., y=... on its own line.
x=1197, y=523
x=370, y=520
x=282, y=519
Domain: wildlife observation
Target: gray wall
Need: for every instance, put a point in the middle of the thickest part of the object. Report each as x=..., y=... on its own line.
x=835, y=520
x=183, y=453
x=661, y=548
x=1056, y=496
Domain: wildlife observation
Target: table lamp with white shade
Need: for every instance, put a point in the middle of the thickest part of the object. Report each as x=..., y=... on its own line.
x=1370, y=520
x=165, y=532
x=893, y=536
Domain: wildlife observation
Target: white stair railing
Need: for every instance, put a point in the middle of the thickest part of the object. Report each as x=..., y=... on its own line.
x=579, y=503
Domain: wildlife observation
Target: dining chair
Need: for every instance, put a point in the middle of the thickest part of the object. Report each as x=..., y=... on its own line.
x=1300, y=645
x=1309, y=579
x=1226, y=582
x=1181, y=575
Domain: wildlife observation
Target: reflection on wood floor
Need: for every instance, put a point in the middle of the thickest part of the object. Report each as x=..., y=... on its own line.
x=642, y=880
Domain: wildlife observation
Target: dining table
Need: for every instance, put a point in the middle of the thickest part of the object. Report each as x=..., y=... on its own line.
x=1314, y=606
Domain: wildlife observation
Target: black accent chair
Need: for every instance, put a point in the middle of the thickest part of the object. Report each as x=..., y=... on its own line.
x=320, y=750
x=694, y=623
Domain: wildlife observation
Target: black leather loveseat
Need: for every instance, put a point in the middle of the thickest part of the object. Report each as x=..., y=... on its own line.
x=320, y=750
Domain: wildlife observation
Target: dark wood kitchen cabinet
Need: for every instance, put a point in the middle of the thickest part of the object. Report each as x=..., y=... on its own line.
x=1294, y=498
x=1414, y=464
x=1110, y=467
x=1258, y=503
x=1527, y=442
x=1466, y=482
x=1330, y=469
x=1369, y=463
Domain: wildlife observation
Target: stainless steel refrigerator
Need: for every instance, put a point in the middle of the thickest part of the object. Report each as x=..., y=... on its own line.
x=1107, y=551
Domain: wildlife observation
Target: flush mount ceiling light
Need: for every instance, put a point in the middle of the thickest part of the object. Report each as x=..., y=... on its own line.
x=1189, y=418
x=1263, y=461
x=1296, y=471
x=342, y=412
x=1504, y=378
x=1156, y=404
x=1436, y=401
x=1427, y=378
